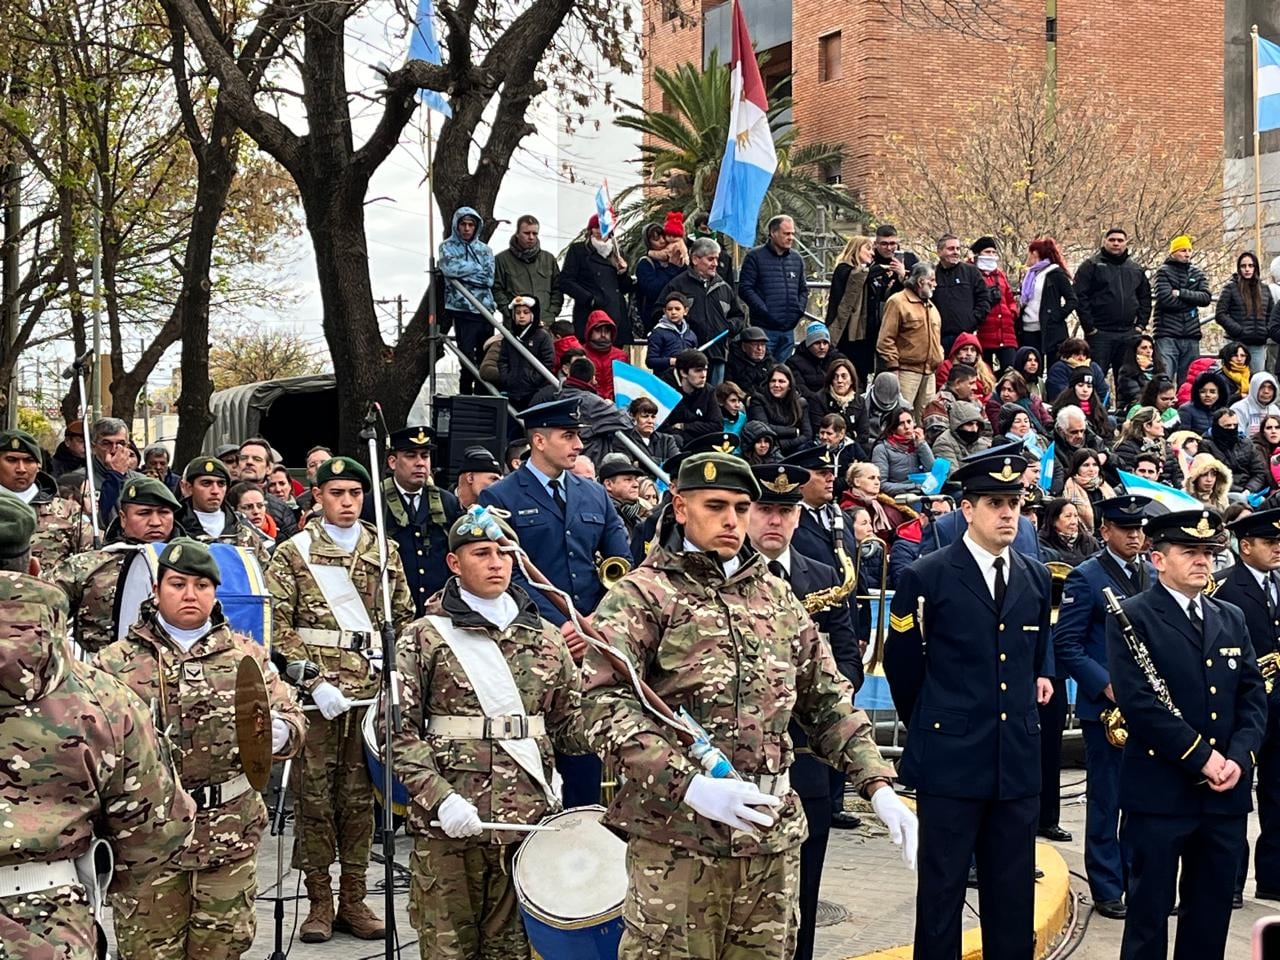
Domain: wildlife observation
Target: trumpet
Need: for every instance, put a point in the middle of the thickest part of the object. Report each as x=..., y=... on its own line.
x=613, y=569
x=1058, y=580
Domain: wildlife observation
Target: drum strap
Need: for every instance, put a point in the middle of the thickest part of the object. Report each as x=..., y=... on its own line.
x=489, y=674
x=339, y=592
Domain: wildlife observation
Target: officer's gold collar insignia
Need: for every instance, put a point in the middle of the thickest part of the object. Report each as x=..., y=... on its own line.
x=1202, y=530
x=338, y=467
x=779, y=485
x=726, y=447
x=709, y=472
x=1007, y=474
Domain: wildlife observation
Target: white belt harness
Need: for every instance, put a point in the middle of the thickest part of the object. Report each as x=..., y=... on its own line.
x=340, y=594
x=490, y=676
x=21, y=879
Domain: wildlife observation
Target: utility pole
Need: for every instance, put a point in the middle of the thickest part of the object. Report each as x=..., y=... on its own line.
x=12, y=232
x=399, y=302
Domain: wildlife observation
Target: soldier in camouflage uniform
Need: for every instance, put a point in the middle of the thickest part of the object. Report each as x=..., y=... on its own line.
x=714, y=863
x=183, y=655
x=206, y=516
x=81, y=755
x=61, y=527
x=334, y=805
x=461, y=901
x=146, y=510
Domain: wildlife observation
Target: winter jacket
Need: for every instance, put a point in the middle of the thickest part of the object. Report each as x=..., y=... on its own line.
x=910, y=334
x=531, y=273
x=517, y=376
x=847, y=304
x=1232, y=316
x=1195, y=416
x=1059, y=374
x=652, y=277
x=595, y=284
x=791, y=436
x=489, y=371
x=752, y=431
x=1035, y=385
x=1039, y=415
x=470, y=262
x=1131, y=380
x=563, y=344
x=713, y=310
x=1198, y=366
x=986, y=376
x=950, y=444
x=811, y=371
x=853, y=409
x=1179, y=316
x=1249, y=471
x=64, y=461
x=665, y=341
x=1201, y=464
x=997, y=328
x=897, y=464
x=602, y=360
x=1126, y=453
x=751, y=375
x=660, y=446
x=962, y=297
x=696, y=414
x=1048, y=315
x=1112, y=294
x=1251, y=410
x=773, y=287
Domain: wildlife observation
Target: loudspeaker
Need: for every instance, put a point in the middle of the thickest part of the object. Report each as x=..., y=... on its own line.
x=465, y=421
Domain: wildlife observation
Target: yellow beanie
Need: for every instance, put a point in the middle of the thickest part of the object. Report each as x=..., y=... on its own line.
x=1182, y=242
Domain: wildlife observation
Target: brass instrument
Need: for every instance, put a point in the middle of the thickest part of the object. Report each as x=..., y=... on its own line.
x=613, y=569
x=1112, y=719
x=1058, y=572
x=1269, y=664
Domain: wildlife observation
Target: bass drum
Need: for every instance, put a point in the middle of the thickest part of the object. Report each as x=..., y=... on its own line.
x=373, y=760
x=243, y=594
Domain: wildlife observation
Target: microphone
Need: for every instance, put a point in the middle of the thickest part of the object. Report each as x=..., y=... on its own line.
x=77, y=365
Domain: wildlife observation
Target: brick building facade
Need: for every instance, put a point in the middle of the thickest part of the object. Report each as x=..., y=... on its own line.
x=860, y=76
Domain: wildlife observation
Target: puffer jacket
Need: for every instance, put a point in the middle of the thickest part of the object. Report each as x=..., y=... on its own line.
x=950, y=444
x=470, y=262
x=1234, y=319
x=1112, y=293
x=897, y=464
x=1201, y=464
x=665, y=341
x=516, y=374
x=773, y=286
x=996, y=330
x=603, y=359
x=1194, y=415
x=811, y=371
x=713, y=309
x=1249, y=472
x=1179, y=316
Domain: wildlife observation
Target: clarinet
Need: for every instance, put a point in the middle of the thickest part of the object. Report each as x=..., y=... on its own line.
x=1140, y=653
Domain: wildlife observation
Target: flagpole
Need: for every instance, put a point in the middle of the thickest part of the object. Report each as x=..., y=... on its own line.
x=433, y=322
x=1257, y=156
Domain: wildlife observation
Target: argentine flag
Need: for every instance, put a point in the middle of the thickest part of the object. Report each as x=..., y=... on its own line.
x=1161, y=493
x=630, y=382
x=1268, y=85
x=423, y=46
x=604, y=210
x=1047, y=462
x=749, y=158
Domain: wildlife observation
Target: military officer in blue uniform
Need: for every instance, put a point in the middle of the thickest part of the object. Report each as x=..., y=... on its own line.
x=950, y=527
x=967, y=659
x=1080, y=651
x=770, y=527
x=567, y=526
x=1195, y=709
x=1253, y=585
x=418, y=514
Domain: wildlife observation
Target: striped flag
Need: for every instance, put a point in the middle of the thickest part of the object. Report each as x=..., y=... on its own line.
x=749, y=157
x=604, y=210
x=1162, y=493
x=1047, y=461
x=424, y=46
x=1268, y=85
x=631, y=382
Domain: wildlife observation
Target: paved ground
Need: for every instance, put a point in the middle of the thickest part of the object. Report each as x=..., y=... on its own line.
x=864, y=877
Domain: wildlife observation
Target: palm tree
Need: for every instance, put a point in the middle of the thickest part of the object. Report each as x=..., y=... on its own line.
x=684, y=144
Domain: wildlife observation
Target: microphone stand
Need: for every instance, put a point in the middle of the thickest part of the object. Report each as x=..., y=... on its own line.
x=390, y=692
x=277, y=828
x=76, y=372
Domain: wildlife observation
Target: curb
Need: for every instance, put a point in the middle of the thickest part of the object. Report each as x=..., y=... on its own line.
x=1053, y=901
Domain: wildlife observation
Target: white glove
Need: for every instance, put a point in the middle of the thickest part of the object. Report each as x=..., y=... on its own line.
x=279, y=733
x=459, y=817
x=730, y=801
x=330, y=700
x=904, y=829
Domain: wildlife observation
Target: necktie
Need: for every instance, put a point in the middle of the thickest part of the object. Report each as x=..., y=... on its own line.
x=556, y=495
x=1271, y=594
x=411, y=503
x=1193, y=614
x=777, y=569
x=1000, y=585
x=1132, y=569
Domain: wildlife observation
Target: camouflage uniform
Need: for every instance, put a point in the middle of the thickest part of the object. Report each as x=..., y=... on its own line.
x=331, y=782
x=81, y=754
x=203, y=906
x=235, y=530
x=452, y=879
x=743, y=657
x=89, y=580
x=61, y=527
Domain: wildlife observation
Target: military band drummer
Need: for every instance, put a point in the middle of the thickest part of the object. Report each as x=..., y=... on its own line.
x=489, y=688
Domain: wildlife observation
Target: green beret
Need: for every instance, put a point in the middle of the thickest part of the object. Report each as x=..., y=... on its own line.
x=206, y=467
x=18, y=441
x=184, y=555
x=470, y=528
x=147, y=491
x=17, y=525
x=343, y=468
x=718, y=471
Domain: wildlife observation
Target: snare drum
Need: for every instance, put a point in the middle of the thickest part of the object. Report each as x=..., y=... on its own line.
x=570, y=886
x=373, y=760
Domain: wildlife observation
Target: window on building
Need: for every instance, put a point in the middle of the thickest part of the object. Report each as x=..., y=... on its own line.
x=833, y=174
x=829, y=57
x=670, y=9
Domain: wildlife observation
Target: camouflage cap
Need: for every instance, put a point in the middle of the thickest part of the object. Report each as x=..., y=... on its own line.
x=718, y=471
x=19, y=441
x=148, y=491
x=343, y=468
x=17, y=525
x=184, y=555
x=206, y=467
x=473, y=527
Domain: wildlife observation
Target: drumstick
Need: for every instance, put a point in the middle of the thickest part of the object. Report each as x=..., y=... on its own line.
x=519, y=827
x=354, y=703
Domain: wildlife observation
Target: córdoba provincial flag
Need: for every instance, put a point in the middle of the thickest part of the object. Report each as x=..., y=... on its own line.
x=1268, y=85
x=604, y=210
x=749, y=158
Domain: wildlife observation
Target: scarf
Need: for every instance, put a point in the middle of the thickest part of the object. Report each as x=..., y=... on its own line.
x=523, y=255
x=604, y=248
x=905, y=444
x=1239, y=374
x=579, y=384
x=1029, y=280
x=1089, y=485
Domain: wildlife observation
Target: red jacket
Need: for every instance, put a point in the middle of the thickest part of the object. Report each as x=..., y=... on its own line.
x=565, y=343
x=997, y=329
x=603, y=360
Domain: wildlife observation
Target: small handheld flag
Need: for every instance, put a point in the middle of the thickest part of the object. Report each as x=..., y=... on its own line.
x=1162, y=493
x=1047, y=462
x=631, y=382
x=604, y=210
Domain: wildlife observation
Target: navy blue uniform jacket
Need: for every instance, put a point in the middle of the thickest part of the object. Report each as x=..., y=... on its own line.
x=563, y=545
x=1213, y=680
x=966, y=676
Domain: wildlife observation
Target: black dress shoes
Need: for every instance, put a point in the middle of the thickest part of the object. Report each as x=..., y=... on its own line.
x=1054, y=833
x=1237, y=901
x=843, y=820
x=1111, y=909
